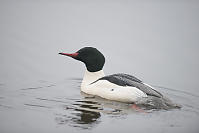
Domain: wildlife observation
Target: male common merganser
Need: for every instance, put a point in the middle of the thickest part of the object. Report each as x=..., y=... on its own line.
x=118, y=87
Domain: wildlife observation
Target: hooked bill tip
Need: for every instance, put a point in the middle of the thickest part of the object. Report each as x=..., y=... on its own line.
x=60, y=53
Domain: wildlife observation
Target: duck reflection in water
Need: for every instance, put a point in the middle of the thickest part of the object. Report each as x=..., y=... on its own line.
x=83, y=114
x=87, y=116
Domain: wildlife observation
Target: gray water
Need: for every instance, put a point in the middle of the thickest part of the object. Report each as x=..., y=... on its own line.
x=156, y=41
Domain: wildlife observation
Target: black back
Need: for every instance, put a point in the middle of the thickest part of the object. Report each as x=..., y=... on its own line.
x=121, y=79
x=128, y=80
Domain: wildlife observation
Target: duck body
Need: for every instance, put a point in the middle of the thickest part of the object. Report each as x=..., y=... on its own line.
x=118, y=87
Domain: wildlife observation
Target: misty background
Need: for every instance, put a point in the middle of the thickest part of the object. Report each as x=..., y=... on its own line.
x=154, y=40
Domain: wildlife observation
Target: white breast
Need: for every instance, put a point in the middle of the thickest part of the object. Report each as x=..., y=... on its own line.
x=108, y=90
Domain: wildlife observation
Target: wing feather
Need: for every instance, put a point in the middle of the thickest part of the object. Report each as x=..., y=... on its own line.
x=129, y=80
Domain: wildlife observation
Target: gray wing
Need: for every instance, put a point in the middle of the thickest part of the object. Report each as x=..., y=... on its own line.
x=128, y=80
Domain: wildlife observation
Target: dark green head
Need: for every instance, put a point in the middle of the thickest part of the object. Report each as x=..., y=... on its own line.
x=92, y=58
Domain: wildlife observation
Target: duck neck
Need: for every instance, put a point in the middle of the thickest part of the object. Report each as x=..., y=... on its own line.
x=90, y=77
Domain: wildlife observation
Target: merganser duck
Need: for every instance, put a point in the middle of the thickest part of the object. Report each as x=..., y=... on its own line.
x=118, y=87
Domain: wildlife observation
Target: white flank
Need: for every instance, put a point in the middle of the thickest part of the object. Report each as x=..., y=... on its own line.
x=108, y=90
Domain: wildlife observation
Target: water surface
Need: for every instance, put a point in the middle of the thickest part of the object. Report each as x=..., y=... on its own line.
x=156, y=41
